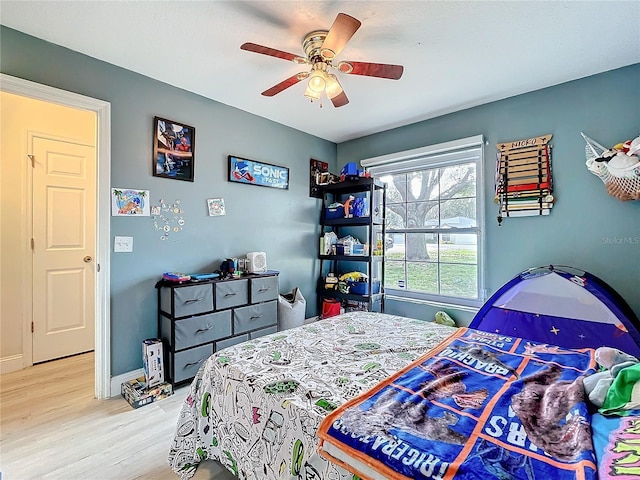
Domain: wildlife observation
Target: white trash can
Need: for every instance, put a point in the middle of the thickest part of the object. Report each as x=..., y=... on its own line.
x=291, y=309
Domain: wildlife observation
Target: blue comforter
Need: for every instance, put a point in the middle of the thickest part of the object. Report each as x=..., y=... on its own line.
x=481, y=406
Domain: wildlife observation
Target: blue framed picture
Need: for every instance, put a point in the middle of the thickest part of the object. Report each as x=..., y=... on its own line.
x=174, y=146
x=262, y=174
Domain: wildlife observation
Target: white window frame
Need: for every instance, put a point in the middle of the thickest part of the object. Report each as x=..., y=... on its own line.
x=465, y=150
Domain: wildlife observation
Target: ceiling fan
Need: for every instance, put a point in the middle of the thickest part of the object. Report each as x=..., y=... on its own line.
x=321, y=47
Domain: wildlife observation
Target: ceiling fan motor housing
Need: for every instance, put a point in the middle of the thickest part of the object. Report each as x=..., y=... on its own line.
x=312, y=46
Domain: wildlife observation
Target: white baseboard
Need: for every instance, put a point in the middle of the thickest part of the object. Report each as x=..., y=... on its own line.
x=118, y=380
x=12, y=363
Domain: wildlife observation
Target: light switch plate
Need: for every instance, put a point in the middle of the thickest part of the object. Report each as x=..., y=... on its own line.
x=123, y=244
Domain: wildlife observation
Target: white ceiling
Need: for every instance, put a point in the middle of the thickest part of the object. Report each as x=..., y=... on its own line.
x=456, y=54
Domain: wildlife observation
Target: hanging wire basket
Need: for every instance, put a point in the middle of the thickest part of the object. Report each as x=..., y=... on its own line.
x=623, y=184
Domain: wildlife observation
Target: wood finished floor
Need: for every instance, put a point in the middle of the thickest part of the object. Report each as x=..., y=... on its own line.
x=52, y=428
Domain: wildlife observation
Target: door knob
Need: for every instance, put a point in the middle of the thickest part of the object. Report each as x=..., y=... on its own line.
x=87, y=259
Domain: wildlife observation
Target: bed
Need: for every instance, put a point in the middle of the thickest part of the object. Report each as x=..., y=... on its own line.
x=256, y=407
x=284, y=406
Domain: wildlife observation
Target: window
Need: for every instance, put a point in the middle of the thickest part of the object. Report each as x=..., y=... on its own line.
x=434, y=215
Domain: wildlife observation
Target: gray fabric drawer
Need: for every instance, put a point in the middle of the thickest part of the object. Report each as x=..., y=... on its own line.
x=263, y=332
x=264, y=289
x=232, y=293
x=188, y=301
x=255, y=316
x=165, y=329
x=231, y=341
x=188, y=362
x=202, y=329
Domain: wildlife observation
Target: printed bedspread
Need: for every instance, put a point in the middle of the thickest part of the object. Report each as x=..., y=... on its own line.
x=256, y=406
x=617, y=445
x=478, y=406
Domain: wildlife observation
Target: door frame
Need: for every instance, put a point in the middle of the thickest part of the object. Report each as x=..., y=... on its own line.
x=102, y=307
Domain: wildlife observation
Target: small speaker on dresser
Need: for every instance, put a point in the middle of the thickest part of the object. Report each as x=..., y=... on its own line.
x=256, y=262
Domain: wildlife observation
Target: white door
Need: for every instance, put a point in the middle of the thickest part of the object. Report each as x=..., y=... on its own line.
x=64, y=205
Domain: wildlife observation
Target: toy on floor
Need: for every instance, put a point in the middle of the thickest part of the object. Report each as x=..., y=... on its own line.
x=444, y=319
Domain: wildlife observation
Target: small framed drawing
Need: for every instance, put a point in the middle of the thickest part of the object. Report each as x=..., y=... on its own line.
x=129, y=202
x=216, y=207
x=174, y=147
x=242, y=170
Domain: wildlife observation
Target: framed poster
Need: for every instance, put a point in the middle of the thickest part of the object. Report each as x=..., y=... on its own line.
x=174, y=147
x=316, y=167
x=262, y=174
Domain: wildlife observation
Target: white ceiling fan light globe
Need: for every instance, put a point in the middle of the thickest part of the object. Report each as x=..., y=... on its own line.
x=333, y=88
x=317, y=81
x=312, y=95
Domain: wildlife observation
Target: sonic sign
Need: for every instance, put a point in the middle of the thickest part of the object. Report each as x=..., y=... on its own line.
x=242, y=170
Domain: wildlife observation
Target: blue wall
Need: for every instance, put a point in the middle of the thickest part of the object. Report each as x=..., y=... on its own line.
x=283, y=223
x=583, y=230
x=587, y=228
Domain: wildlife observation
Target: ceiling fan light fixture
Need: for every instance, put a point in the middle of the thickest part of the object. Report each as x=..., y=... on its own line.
x=333, y=88
x=318, y=77
x=311, y=95
x=317, y=81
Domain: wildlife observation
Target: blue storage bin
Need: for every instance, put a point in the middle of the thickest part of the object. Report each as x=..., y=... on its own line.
x=362, y=288
x=333, y=213
x=357, y=249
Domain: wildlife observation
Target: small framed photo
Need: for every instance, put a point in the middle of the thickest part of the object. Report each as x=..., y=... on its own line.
x=216, y=207
x=174, y=147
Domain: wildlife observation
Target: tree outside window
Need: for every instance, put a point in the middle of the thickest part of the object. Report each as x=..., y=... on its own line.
x=432, y=217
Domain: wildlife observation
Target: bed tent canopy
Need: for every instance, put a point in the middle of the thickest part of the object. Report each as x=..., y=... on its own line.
x=562, y=306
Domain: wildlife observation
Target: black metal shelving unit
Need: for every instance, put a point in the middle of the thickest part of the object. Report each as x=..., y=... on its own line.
x=372, y=227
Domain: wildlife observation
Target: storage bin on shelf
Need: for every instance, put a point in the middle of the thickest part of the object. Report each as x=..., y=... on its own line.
x=332, y=213
x=359, y=249
x=362, y=288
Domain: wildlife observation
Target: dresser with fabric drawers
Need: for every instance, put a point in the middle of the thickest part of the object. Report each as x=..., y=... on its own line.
x=196, y=319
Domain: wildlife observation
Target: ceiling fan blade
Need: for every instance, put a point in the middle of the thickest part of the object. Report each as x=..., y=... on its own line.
x=270, y=92
x=343, y=28
x=272, y=52
x=380, y=70
x=340, y=100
